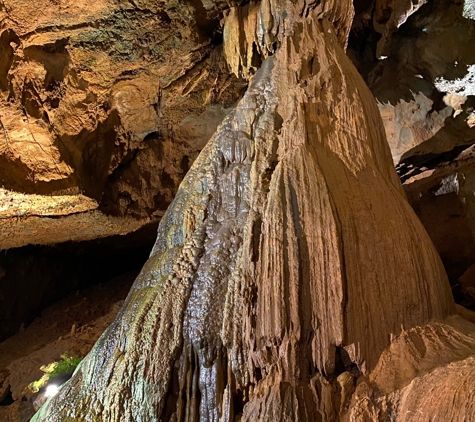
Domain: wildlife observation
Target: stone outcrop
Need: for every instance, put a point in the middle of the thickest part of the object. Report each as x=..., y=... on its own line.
x=97, y=102
x=424, y=88
x=441, y=192
x=425, y=374
x=95, y=105
x=290, y=279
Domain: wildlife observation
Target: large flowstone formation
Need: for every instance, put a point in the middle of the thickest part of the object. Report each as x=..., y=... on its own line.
x=289, y=264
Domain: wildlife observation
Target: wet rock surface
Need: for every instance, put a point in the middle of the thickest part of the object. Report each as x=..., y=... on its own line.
x=270, y=294
x=290, y=279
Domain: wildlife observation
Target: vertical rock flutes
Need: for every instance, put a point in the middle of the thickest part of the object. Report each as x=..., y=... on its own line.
x=290, y=280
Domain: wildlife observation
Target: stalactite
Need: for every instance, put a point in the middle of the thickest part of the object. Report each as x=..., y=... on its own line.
x=288, y=261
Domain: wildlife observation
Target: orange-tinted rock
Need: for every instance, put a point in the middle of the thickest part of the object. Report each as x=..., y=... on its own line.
x=288, y=258
x=86, y=90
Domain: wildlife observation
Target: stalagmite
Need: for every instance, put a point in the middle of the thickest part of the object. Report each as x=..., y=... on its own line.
x=289, y=265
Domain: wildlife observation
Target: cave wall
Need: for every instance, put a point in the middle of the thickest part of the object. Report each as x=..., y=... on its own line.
x=268, y=285
x=101, y=122
x=104, y=110
x=97, y=103
x=417, y=59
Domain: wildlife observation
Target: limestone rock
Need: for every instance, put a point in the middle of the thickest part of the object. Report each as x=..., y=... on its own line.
x=469, y=9
x=423, y=82
x=279, y=265
x=441, y=192
x=87, y=90
x=49, y=336
x=290, y=279
x=426, y=374
x=410, y=124
x=424, y=91
x=390, y=15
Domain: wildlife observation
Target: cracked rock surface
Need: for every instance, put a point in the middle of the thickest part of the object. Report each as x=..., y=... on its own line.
x=96, y=102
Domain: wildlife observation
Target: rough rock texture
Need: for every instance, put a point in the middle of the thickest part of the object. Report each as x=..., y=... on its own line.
x=469, y=9
x=71, y=326
x=441, y=192
x=426, y=374
x=17, y=412
x=96, y=103
x=51, y=219
x=288, y=262
x=424, y=88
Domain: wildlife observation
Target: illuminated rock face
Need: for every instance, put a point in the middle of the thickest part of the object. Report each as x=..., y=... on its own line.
x=424, y=89
x=289, y=265
x=95, y=104
x=97, y=101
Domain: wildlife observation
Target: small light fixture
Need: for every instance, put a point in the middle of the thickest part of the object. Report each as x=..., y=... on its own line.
x=51, y=390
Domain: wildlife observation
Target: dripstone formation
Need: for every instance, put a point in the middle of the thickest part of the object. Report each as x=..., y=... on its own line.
x=290, y=279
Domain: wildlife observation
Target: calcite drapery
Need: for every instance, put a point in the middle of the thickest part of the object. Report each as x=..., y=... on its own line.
x=288, y=257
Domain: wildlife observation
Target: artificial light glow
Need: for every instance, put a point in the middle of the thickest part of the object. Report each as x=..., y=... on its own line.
x=51, y=390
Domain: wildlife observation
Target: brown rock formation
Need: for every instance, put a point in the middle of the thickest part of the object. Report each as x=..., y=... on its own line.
x=423, y=82
x=425, y=92
x=430, y=68
x=290, y=279
x=97, y=100
x=95, y=104
x=441, y=193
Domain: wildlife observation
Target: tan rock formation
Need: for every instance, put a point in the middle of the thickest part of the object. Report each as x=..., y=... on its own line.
x=289, y=268
x=423, y=83
x=441, y=193
x=92, y=101
x=426, y=374
x=47, y=219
